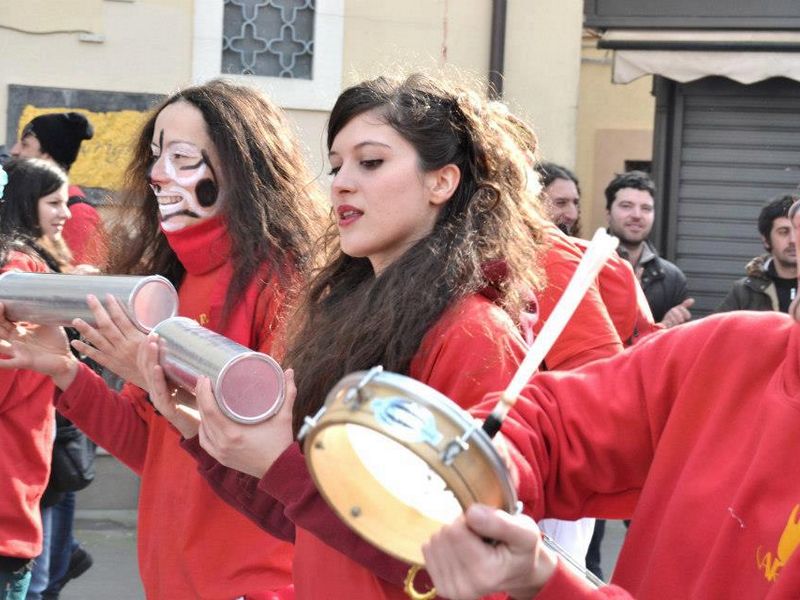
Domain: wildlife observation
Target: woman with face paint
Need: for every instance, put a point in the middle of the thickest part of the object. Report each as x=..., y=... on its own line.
x=430, y=260
x=219, y=201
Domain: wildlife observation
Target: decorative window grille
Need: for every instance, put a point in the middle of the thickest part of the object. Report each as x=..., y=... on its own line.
x=268, y=38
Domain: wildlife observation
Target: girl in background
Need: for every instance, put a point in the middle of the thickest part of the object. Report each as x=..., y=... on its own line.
x=35, y=208
x=32, y=213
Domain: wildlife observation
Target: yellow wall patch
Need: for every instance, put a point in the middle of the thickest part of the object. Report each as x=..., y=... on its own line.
x=102, y=160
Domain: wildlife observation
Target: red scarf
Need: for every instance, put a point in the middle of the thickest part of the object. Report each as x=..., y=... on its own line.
x=207, y=246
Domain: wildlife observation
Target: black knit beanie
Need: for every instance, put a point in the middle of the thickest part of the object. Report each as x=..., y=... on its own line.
x=60, y=135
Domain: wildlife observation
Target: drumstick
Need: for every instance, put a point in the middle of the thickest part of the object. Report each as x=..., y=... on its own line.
x=598, y=252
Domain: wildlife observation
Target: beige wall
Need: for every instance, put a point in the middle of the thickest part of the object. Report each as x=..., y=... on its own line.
x=310, y=127
x=542, y=53
x=615, y=124
x=404, y=36
x=147, y=47
x=38, y=15
x=543, y=48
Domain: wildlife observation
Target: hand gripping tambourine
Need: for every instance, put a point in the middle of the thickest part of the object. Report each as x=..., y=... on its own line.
x=397, y=460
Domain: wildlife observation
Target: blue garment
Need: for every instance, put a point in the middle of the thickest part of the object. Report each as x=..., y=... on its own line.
x=14, y=584
x=62, y=544
x=40, y=574
x=57, y=547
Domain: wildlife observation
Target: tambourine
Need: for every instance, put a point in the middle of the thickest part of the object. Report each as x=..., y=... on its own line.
x=397, y=460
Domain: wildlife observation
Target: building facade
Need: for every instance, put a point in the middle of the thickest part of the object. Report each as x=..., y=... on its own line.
x=724, y=84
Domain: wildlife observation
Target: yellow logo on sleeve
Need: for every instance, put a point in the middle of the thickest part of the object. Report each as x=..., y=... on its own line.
x=790, y=539
x=203, y=319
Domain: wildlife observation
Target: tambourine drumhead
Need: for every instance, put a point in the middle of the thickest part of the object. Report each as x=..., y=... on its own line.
x=378, y=462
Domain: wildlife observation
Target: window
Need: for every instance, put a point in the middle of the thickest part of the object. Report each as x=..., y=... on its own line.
x=272, y=39
x=292, y=49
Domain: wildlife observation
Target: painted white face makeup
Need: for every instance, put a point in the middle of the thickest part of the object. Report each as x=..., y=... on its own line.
x=182, y=176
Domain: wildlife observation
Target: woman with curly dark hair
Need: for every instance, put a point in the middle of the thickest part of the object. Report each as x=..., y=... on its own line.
x=420, y=220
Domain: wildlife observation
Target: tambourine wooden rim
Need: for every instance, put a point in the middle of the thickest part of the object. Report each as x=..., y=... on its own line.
x=475, y=474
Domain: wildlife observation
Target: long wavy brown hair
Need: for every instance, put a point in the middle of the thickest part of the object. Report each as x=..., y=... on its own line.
x=353, y=320
x=272, y=207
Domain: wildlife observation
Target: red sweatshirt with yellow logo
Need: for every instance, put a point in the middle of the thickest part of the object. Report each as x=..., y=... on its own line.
x=693, y=434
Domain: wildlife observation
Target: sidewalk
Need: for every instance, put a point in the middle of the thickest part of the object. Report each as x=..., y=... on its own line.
x=110, y=536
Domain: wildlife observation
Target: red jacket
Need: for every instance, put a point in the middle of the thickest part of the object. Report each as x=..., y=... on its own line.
x=474, y=348
x=191, y=543
x=691, y=436
x=590, y=333
x=84, y=232
x=623, y=297
x=27, y=428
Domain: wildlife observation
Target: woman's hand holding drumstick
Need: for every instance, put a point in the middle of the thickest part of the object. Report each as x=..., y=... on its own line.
x=463, y=566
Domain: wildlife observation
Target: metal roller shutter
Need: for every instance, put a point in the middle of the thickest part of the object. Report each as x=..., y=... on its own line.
x=726, y=148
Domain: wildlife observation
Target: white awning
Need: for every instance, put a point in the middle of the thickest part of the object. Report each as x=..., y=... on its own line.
x=744, y=56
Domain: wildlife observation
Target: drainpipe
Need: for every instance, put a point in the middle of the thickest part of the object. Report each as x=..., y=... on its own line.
x=497, y=49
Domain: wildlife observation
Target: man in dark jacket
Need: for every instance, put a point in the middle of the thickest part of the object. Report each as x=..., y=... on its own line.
x=631, y=212
x=771, y=280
